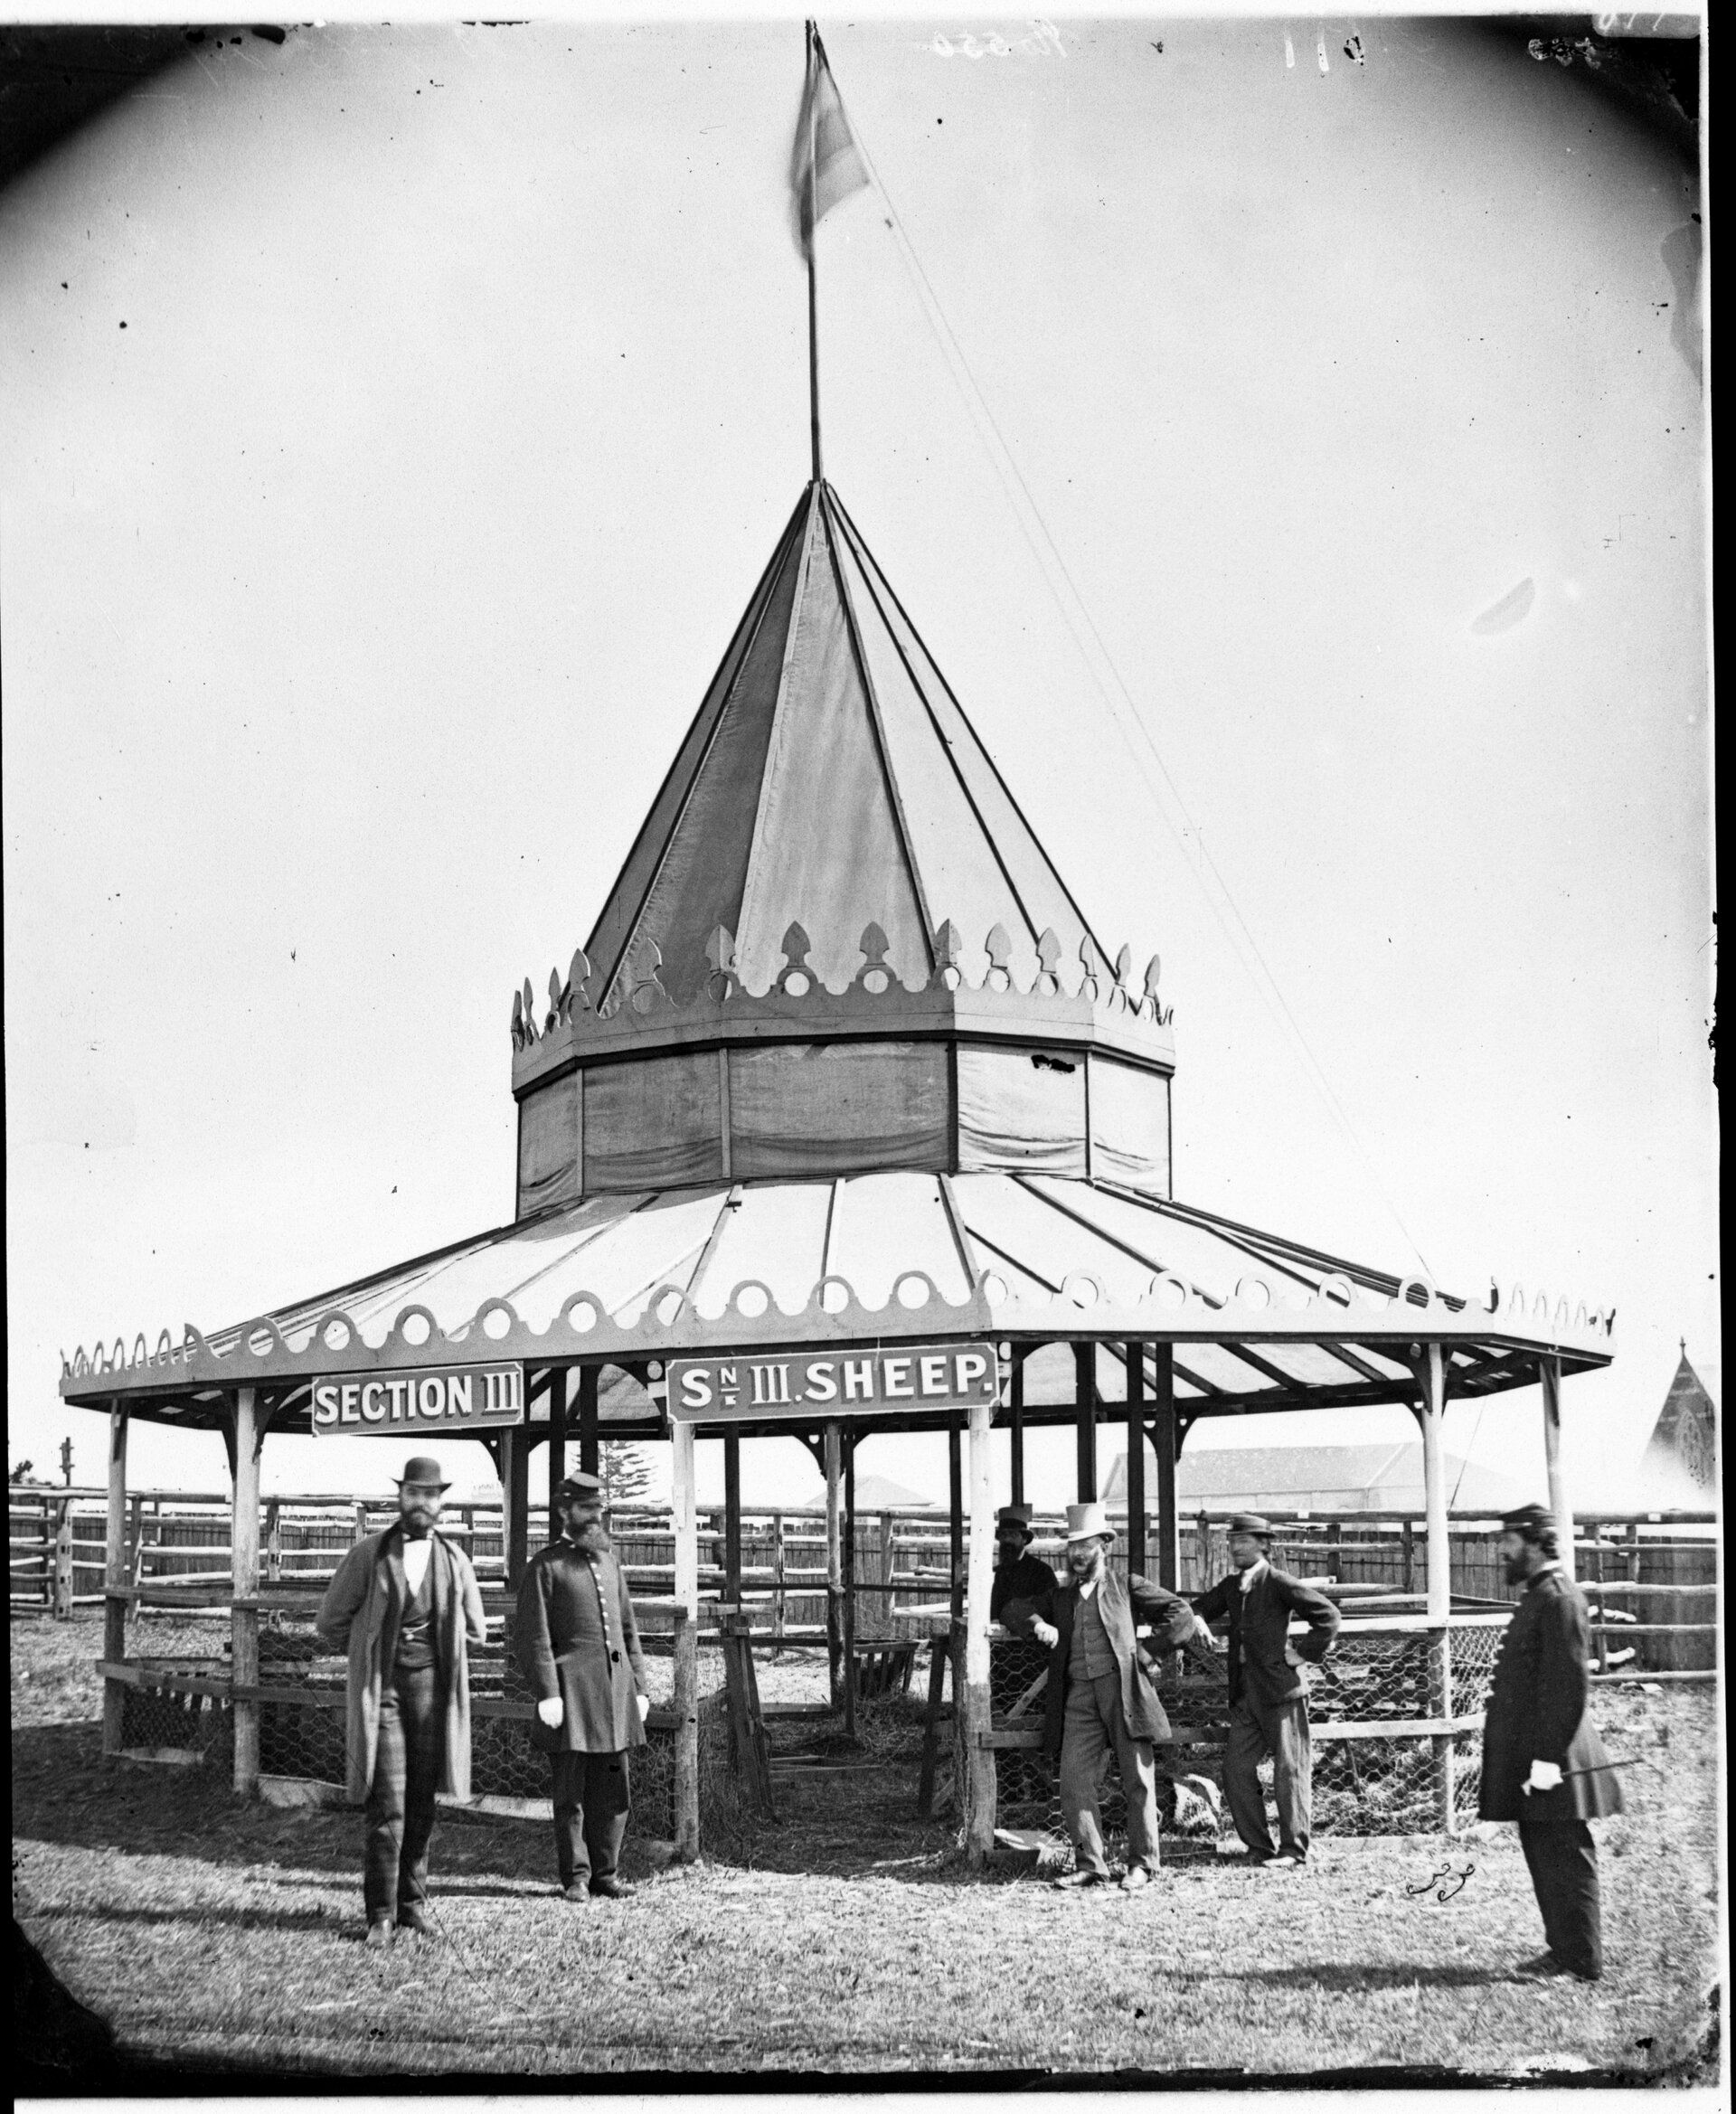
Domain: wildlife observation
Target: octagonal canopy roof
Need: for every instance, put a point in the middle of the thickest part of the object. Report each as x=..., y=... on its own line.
x=1258, y=1323
x=830, y=779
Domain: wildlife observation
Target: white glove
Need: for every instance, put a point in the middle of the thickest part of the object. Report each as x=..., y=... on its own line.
x=1545, y=1775
x=1203, y=1630
x=1044, y=1632
x=644, y=1702
x=551, y=1710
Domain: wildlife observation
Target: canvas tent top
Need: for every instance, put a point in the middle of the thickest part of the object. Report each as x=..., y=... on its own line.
x=1326, y=1478
x=1258, y=1323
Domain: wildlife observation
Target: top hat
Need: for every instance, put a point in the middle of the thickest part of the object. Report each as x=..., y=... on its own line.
x=580, y=1489
x=1525, y=1516
x=1014, y=1515
x=1250, y=1522
x=1084, y=1520
x=420, y=1468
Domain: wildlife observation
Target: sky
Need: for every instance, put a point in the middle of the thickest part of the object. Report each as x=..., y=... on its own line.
x=394, y=422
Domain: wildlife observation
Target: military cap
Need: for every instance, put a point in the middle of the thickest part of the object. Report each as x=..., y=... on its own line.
x=1527, y=1517
x=578, y=1488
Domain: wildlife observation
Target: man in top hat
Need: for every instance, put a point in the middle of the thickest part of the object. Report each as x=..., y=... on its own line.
x=1101, y=1693
x=1543, y=1765
x=578, y=1646
x=405, y=1606
x=1269, y=1695
x=1018, y=1575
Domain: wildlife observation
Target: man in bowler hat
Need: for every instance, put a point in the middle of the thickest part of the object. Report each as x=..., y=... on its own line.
x=1269, y=1695
x=1018, y=1574
x=1101, y=1693
x=405, y=1606
x=1543, y=1765
x=578, y=1646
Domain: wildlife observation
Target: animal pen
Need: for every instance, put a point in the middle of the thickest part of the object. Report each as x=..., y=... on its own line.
x=843, y=1121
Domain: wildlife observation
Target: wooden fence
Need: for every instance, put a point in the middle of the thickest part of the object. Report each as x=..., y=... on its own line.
x=1652, y=1583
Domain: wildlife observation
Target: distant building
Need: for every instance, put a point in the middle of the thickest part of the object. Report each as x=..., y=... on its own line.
x=1680, y=1465
x=881, y=1494
x=1385, y=1479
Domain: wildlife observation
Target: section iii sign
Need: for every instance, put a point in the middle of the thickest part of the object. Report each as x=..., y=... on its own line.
x=456, y=1399
x=799, y=1386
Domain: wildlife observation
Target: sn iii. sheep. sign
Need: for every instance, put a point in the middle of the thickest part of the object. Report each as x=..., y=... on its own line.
x=453, y=1399
x=931, y=1376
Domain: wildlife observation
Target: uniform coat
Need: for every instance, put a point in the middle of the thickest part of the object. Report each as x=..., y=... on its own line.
x=577, y=1638
x=1119, y=1605
x=1537, y=1712
x=1265, y=1666
x=359, y=1614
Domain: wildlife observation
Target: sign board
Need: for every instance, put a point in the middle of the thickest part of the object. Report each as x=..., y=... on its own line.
x=809, y=1386
x=450, y=1400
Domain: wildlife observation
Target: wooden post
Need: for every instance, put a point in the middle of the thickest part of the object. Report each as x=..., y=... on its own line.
x=1136, y=1456
x=834, y=1558
x=1549, y=1370
x=62, y=1588
x=516, y=1441
x=939, y=1655
x=1016, y=1424
x=776, y=1574
x=1408, y=1544
x=557, y=1384
x=1085, y=1410
x=244, y=1586
x=359, y=1524
x=955, y=1522
x=1203, y=1537
x=587, y=1445
x=1166, y=1444
x=686, y=1649
x=732, y=1522
x=1601, y=1629
x=849, y=1584
x=1431, y=1412
x=273, y=1542
x=979, y=1821
x=114, y=1609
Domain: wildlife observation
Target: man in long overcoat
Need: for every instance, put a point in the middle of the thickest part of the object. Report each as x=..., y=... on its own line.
x=1100, y=1692
x=1543, y=1765
x=1269, y=1695
x=405, y=1606
x=578, y=1644
x=1018, y=1574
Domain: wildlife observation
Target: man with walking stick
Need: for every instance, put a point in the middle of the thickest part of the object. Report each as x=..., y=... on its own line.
x=405, y=1606
x=1543, y=1765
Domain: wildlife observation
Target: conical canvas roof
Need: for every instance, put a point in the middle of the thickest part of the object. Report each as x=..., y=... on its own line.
x=829, y=780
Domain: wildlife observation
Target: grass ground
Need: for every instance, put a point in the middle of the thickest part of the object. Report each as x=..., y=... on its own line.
x=848, y=1940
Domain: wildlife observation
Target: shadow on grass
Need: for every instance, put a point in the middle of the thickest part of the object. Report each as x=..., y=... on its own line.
x=1356, y=1977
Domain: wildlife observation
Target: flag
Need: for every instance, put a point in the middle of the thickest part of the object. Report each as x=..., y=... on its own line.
x=824, y=165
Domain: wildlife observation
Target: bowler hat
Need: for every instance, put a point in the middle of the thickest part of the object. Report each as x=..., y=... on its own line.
x=1250, y=1522
x=1527, y=1517
x=421, y=1469
x=578, y=1488
x=1086, y=1521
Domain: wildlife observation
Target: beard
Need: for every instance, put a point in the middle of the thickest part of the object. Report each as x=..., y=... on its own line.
x=417, y=1522
x=590, y=1536
x=1517, y=1569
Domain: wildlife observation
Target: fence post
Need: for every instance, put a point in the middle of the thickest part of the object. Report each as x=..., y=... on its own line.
x=1409, y=1544
x=686, y=1649
x=47, y=1509
x=1203, y=1531
x=776, y=1574
x=62, y=1588
x=244, y=1572
x=274, y=1543
x=979, y=1781
x=114, y=1577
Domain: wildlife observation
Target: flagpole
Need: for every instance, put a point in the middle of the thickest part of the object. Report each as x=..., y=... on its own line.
x=813, y=230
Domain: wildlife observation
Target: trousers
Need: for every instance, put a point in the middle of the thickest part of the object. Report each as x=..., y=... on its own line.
x=591, y=1793
x=400, y=1811
x=1282, y=1732
x=1091, y=1723
x=1562, y=1860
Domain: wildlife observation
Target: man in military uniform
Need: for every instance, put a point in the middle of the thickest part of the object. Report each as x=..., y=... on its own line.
x=1101, y=1693
x=405, y=1606
x=1268, y=1696
x=1018, y=1575
x=1543, y=1765
x=578, y=1646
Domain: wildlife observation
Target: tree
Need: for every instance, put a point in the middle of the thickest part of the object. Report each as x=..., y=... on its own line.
x=625, y=1472
x=21, y=1473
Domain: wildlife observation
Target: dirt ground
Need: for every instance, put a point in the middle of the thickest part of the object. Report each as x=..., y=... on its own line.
x=848, y=1940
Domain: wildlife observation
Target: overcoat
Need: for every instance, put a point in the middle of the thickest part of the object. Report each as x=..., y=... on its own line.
x=361, y=1612
x=1117, y=1605
x=577, y=1638
x=1537, y=1712
x=1265, y=1666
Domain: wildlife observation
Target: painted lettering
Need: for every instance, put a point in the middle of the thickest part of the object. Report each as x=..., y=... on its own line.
x=326, y=1402
x=696, y=1388
x=933, y=1372
x=350, y=1414
x=458, y=1395
x=895, y=1377
x=430, y=1396
x=968, y=1367
x=858, y=1380
x=822, y=1382
x=371, y=1390
x=770, y=1384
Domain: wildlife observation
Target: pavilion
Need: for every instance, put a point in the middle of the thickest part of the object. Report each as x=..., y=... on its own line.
x=842, y=1073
